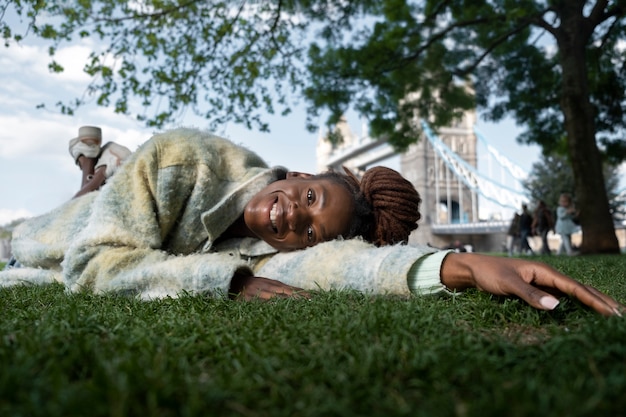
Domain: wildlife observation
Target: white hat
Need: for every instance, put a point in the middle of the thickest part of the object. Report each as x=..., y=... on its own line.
x=89, y=132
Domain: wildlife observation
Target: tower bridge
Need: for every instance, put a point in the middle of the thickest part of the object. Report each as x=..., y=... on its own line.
x=459, y=201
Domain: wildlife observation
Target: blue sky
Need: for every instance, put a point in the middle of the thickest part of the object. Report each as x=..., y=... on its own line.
x=37, y=173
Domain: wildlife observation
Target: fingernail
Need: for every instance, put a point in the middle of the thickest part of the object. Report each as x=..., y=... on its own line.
x=549, y=303
x=617, y=312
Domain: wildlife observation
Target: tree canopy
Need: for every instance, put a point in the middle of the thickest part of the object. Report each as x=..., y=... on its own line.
x=156, y=59
x=558, y=67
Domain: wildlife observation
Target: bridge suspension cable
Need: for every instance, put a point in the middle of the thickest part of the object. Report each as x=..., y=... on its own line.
x=515, y=171
x=469, y=175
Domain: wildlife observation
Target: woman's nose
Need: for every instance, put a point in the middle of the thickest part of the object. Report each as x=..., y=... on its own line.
x=296, y=217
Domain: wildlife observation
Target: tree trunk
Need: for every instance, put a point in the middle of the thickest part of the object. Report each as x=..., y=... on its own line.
x=591, y=197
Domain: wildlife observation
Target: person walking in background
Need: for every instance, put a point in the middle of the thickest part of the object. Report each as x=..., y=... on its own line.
x=543, y=222
x=512, y=237
x=565, y=226
x=525, y=230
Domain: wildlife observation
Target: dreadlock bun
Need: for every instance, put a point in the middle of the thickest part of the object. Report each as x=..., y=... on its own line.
x=395, y=203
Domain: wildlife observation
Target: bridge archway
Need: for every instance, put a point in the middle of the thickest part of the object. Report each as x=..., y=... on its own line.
x=450, y=212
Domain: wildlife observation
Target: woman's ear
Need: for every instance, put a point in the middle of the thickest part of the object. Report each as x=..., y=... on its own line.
x=296, y=174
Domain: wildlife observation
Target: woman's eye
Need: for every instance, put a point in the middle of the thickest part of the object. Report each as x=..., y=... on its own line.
x=309, y=234
x=309, y=196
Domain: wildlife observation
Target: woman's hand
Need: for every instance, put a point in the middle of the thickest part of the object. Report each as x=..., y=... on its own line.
x=534, y=282
x=247, y=287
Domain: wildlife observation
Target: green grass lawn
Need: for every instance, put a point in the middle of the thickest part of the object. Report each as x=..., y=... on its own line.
x=340, y=354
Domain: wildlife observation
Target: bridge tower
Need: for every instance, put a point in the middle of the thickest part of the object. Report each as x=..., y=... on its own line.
x=446, y=200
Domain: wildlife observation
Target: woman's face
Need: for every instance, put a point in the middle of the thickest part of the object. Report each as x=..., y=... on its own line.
x=299, y=211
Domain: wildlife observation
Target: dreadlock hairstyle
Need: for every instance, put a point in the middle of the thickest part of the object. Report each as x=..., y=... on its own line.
x=386, y=205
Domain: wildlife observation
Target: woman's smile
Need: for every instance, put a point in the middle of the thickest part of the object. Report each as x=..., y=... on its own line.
x=273, y=217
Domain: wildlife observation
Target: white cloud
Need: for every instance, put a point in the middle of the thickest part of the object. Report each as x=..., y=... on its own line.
x=7, y=216
x=19, y=56
x=35, y=59
x=24, y=135
x=73, y=59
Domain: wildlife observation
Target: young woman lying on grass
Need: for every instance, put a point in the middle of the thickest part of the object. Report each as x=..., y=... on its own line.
x=190, y=212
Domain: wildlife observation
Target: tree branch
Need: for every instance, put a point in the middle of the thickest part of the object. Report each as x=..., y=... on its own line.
x=539, y=21
x=617, y=9
x=496, y=42
x=522, y=24
x=160, y=13
x=442, y=34
x=608, y=33
x=597, y=14
x=437, y=9
x=273, y=28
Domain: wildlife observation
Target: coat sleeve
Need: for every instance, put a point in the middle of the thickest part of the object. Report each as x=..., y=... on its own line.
x=126, y=245
x=28, y=276
x=357, y=265
x=160, y=275
x=40, y=243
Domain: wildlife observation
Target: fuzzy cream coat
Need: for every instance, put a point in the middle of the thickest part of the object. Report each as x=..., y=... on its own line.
x=150, y=231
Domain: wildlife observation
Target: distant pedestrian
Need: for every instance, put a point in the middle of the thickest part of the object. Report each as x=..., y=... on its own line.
x=525, y=230
x=512, y=237
x=565, y=226
x=543, y=222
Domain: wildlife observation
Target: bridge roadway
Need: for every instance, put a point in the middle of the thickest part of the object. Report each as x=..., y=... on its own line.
x=486, y=227
x=476, y=228
x=483, y=228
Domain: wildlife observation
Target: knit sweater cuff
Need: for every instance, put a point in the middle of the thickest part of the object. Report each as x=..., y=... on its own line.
x=424, y=277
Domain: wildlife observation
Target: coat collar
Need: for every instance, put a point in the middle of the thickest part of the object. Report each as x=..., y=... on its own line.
x=246, y=246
